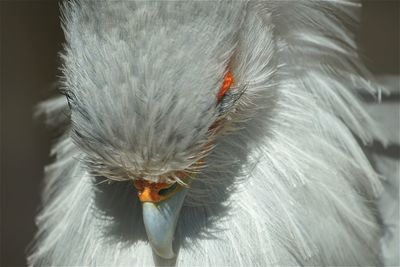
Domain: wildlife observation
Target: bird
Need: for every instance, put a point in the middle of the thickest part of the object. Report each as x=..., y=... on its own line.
x=217, y=133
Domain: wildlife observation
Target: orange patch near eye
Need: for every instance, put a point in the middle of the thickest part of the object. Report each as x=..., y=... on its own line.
x=228, y=80
x=150, y=192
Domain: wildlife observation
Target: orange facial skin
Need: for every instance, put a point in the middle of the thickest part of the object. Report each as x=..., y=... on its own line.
x=150, y=192
x=157, y=192
x=228, y=81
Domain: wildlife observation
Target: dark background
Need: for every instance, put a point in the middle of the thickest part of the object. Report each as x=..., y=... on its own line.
x=30, y=39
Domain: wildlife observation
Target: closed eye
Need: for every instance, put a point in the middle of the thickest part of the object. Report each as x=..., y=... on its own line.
x=168, y=190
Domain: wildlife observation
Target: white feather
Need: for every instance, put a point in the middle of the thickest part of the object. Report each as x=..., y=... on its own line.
x=291, y=186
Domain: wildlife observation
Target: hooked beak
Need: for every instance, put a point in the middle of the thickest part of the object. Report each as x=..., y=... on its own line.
x=161, y=204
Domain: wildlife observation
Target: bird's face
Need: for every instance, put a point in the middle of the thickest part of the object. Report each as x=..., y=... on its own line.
x=150, y=93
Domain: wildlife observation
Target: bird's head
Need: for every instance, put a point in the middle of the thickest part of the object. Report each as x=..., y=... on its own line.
x=153, y=89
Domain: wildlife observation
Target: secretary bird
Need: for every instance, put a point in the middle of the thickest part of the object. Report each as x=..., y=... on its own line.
x=221, y=133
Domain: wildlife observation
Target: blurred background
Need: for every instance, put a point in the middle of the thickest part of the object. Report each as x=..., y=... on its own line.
x=30, y=40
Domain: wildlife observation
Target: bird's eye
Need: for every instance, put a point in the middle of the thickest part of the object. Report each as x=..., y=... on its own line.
x=226, y=85
x=168, y=190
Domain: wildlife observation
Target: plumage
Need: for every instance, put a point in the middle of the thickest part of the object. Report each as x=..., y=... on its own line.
x=285, y=181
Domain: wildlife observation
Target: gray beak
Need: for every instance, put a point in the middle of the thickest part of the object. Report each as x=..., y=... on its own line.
x=160, y=222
